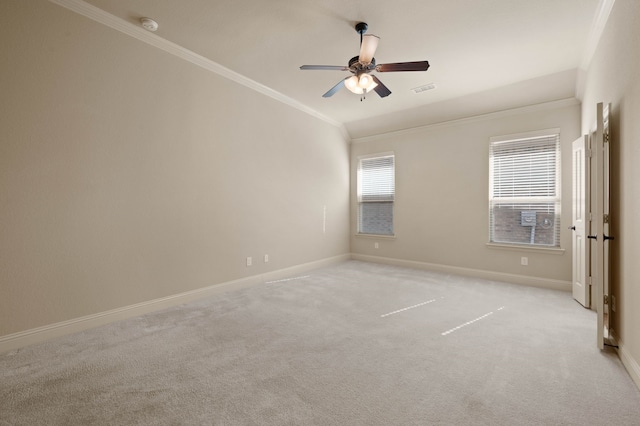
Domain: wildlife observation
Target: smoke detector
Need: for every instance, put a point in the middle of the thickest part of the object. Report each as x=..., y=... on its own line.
x=149, y=24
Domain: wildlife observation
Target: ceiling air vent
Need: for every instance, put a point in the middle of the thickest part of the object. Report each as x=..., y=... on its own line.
x=424, y=88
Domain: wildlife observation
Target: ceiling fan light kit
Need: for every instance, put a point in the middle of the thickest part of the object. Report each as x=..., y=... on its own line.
x=361, y=66
x=361, y=85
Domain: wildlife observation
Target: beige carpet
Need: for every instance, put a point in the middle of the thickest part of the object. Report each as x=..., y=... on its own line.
x=352, y=344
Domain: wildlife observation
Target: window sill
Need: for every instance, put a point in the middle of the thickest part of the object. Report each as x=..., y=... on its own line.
x=383, y=236
x=533, y=249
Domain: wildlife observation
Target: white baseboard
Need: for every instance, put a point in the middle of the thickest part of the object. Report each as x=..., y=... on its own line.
x=21, y=339
x=478, y=273
x=305, y=267
x=629, y=362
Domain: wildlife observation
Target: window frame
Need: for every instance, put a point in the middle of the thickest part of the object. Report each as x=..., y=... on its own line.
x=359, y=190
x=556, y=198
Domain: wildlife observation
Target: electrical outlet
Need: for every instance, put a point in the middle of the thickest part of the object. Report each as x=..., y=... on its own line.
x=376, y=245
x=524, y=261
x=266, y=258
x=249, y=261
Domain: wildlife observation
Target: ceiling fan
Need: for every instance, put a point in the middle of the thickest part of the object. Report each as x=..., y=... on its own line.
x=361, y=66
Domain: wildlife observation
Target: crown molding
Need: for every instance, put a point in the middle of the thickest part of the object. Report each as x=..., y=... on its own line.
x=96, y=14
x=597, y=27
x=467, y=120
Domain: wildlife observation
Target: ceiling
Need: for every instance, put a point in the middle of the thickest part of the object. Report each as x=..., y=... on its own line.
x=494, y=53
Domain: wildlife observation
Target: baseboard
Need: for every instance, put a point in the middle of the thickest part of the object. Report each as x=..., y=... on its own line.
x=629, y=362
x=300, y=269
x=21, y=339
x=478, y=273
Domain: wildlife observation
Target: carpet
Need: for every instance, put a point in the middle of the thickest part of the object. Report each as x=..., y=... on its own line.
x=352, y=344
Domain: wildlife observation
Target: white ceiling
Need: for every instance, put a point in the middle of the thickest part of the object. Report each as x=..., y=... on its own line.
x=495, y=53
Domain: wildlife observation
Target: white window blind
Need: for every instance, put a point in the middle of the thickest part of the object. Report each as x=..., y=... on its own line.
x=524, y=190
x=376, y=194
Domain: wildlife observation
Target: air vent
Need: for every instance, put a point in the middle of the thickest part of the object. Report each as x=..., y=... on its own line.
x=424, y=88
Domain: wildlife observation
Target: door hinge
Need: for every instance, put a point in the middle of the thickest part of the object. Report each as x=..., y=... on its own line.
x=606, y=299
x=606, y=138
x=589, y=280
x=606, y=218
x=589, y=153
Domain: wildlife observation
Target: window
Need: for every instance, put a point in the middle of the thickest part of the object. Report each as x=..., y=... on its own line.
x=524, y=189
x=376, y=193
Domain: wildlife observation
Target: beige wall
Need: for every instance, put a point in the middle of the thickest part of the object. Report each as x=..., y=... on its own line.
x=127, y=174
x=442, y=179
x=614, y=77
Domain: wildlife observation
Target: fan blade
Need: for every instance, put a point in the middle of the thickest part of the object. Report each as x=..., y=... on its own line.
x=403, y=66
x=325, y=67
x=334, y=89
x=368, y=48
x=382, y=90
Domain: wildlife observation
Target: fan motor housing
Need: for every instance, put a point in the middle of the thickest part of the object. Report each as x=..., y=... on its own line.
x=356, y=67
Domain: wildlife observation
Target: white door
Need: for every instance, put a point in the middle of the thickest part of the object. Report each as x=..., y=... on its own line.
x=601, y=219
x=580, y=220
